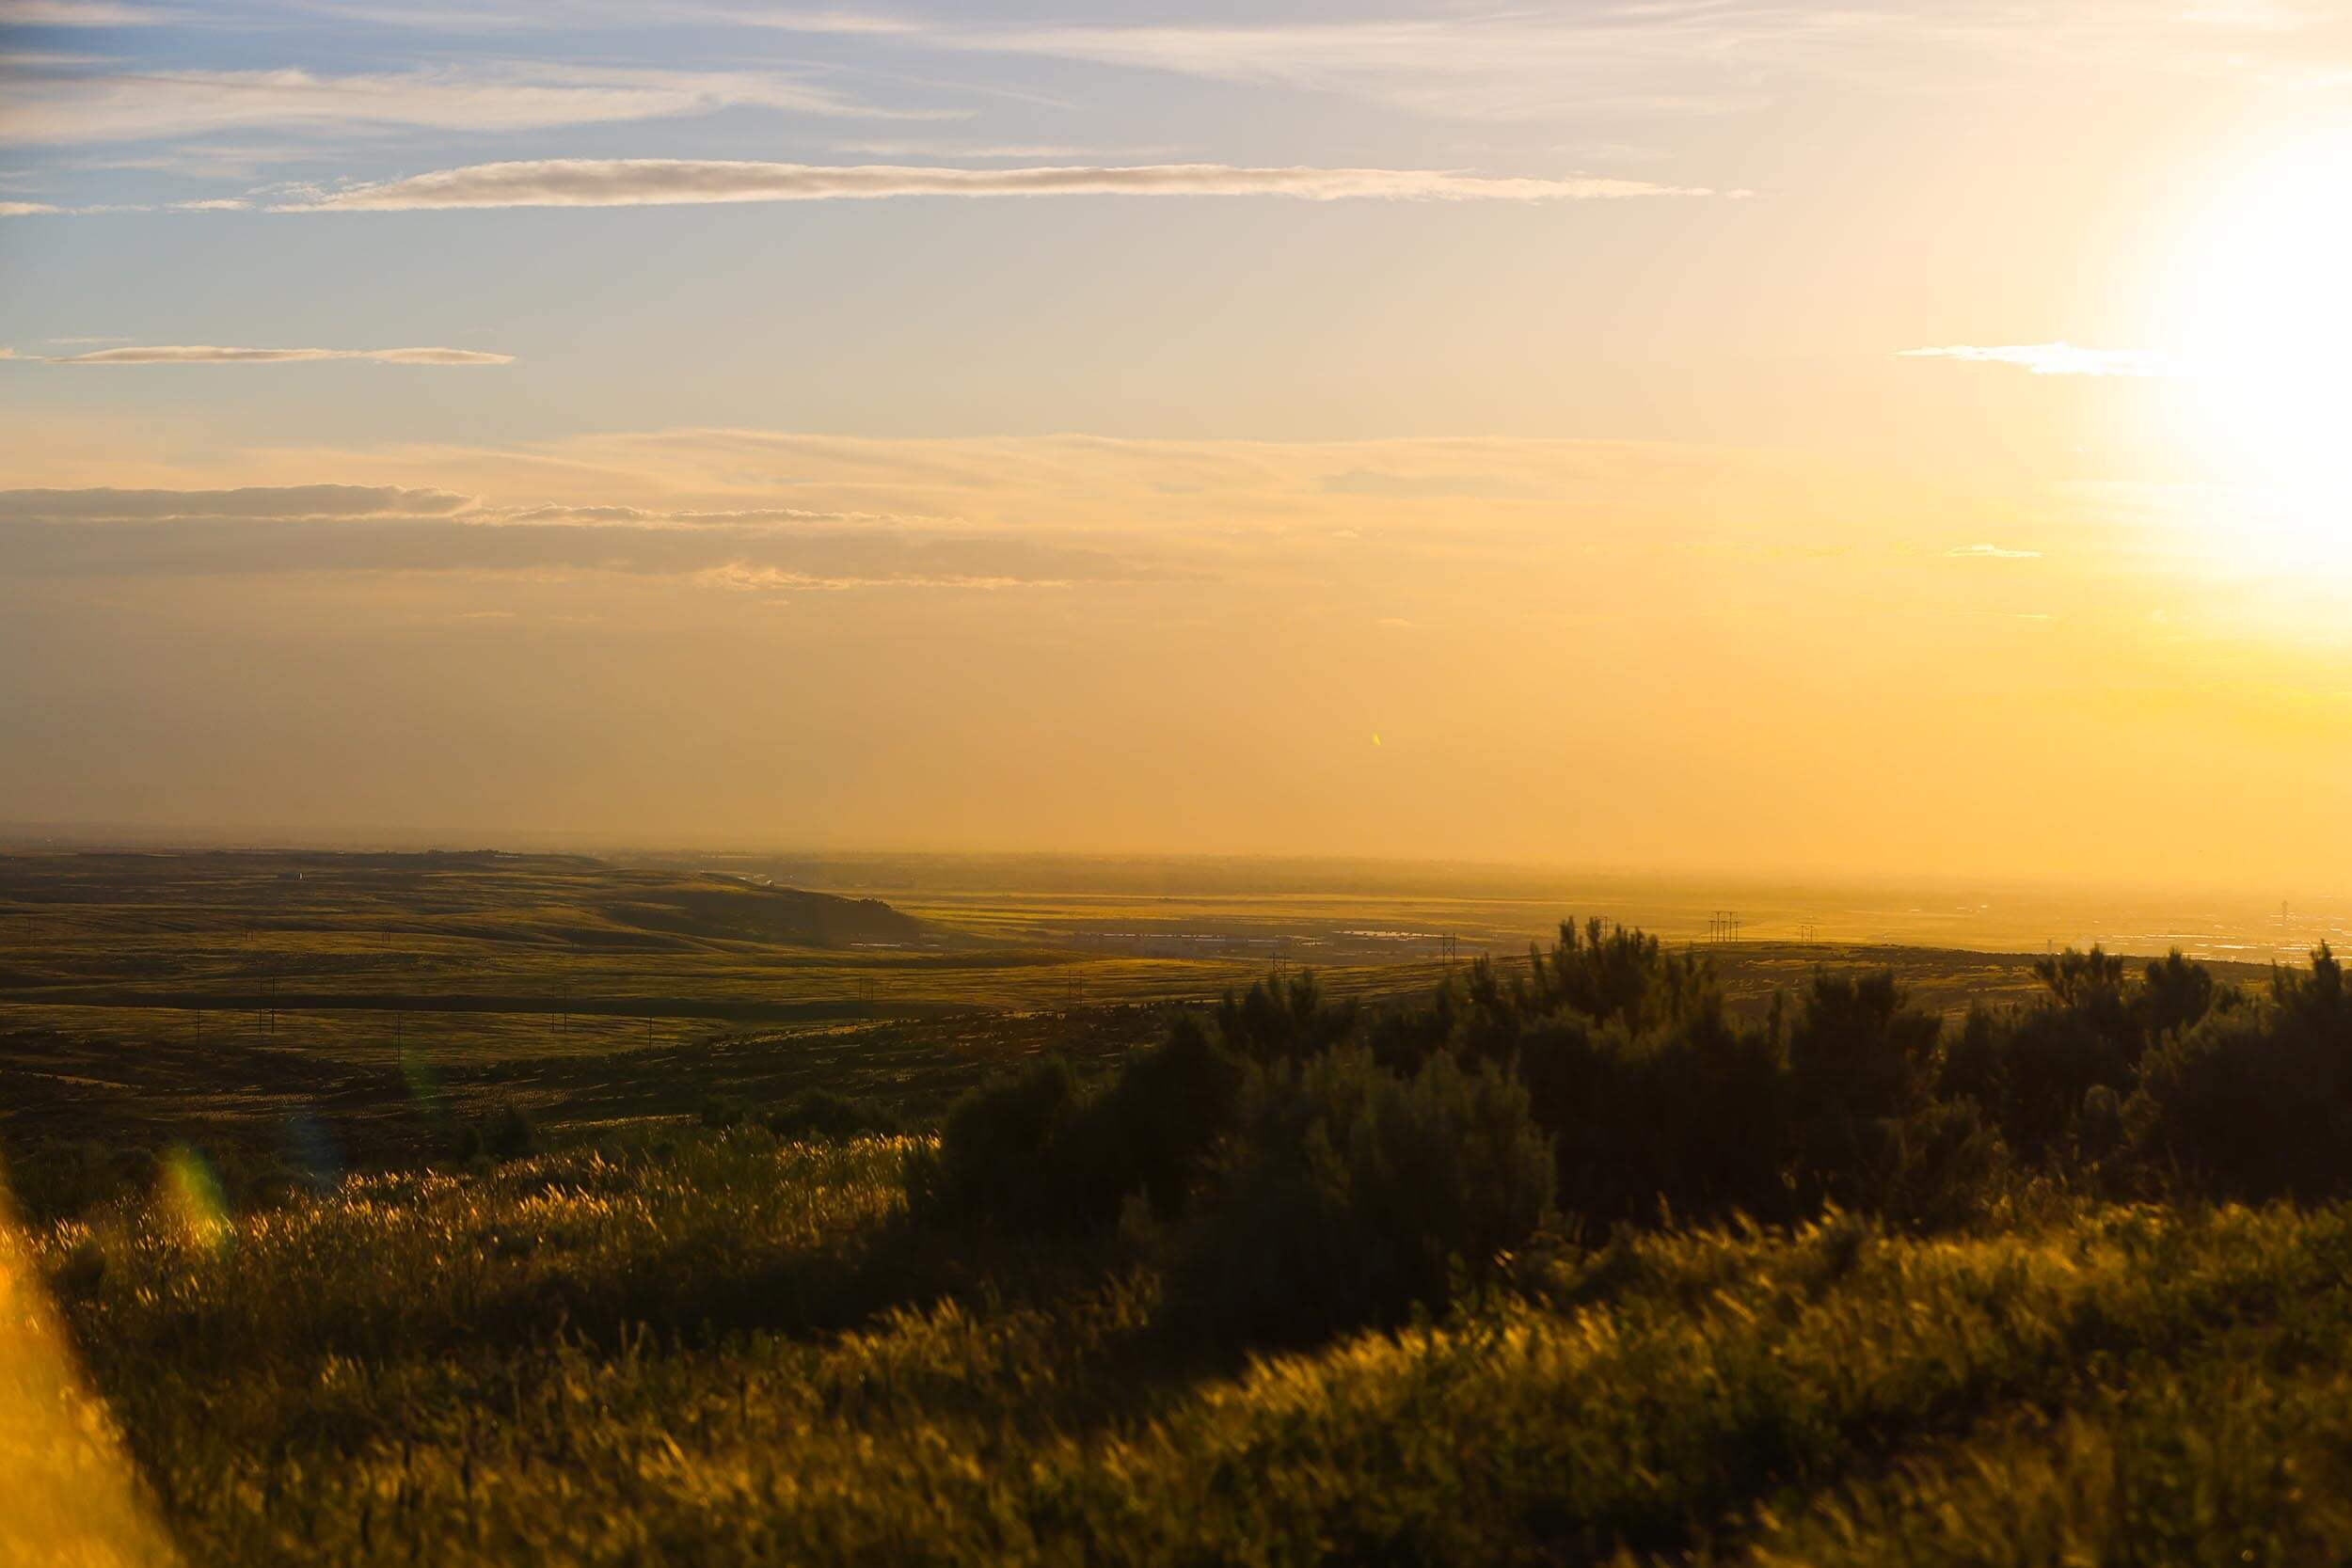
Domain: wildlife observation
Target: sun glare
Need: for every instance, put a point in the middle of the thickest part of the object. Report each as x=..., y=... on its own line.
x=2264, y=335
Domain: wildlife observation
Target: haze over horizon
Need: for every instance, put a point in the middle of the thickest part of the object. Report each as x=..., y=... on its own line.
x=1885, y=439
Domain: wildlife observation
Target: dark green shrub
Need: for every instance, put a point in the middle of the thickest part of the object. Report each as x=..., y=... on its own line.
x=1974, y=1062
x=1402, y=1038
x=722, y=1111
x=2050, y=1059
x=2256, y=1103
x=1858, y=1050
x=81, y=1271
x=2175, y=994
x=1860, y=1060
x=1037, y=1154
x=1350, y=1197
x=1283, y=1021
x=1692, y=1120
x=823, y=1113
x=2089, y=982
x=1613, y=974
x=1949, y=1161
x=501, y=1133
x=1153, y=1128
x=53, y=1179
x=1003, y=1156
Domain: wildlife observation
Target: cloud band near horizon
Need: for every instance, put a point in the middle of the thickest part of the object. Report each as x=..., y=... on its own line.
x=2058, y=359
x=206, y=353
x=674, y=182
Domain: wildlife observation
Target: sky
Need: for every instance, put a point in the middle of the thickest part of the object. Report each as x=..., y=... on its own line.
x=1869, y=438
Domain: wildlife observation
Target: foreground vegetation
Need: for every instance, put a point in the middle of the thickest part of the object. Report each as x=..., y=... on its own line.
x=1563, y=1263
x=2099, y=1384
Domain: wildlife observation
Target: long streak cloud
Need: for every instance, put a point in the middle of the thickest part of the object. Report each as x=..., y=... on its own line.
x=672, y=181
x=2060, y=358
x=206, y=353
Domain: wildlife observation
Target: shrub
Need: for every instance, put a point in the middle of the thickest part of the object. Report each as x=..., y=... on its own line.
x=2174, y=994
x=1350, y=1197
x=2050, y=1059
x=2252, y=1104
x=1948, y=1162
x=505, y=1134
x=722, y=1111
x=1974, y=1062
x=1615, y=975
x=53, y=1179
x=1001, y=1155
x=1692, y=1120
x=1037, y=1154
x=1151, y=1132
x=1860, y=1059
x=823, y=1113
x=2053, y=1076
x=1858, y=1050
x=1276, y=1020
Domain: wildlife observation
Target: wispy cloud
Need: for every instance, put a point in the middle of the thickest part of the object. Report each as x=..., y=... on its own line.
x=938, y=148
x=205, y=160
x=670, y=182
x=64, y=107
x=1687, y=56
x=204, y=354
x=77, y=13
x=1991, y=552
x=2059, y=358
x=376, y=529
x=25, y=209
x=107, y=504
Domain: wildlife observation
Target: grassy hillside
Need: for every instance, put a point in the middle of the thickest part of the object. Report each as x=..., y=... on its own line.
x=598, y=1360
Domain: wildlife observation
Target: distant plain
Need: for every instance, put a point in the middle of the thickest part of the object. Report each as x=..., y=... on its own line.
x=219, y=997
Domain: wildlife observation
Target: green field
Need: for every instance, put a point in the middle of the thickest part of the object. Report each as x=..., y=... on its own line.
x=1804, y=1272
x=210, y=997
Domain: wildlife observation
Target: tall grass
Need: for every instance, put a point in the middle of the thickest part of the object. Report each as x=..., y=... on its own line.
x=1719, y=1391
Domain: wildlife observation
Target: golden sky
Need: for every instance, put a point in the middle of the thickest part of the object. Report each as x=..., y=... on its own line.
x=1871, y=439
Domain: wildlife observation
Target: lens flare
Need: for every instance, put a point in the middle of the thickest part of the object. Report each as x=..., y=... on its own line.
x=68, y=1496
x=192, y=1196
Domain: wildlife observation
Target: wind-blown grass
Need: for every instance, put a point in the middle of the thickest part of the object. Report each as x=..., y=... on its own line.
x=438, y=1369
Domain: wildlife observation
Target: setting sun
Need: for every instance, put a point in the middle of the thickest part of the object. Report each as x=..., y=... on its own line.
x=2265, y=343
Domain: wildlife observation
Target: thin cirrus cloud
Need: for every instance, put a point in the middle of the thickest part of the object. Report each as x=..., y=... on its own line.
x=106, y=504
x=1513, y=62
x=675, y=181
x=77, y=13
x=348, y=529
x=1991, y=552
x=70, y=107
x=207, y=354
x=2058, y=359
